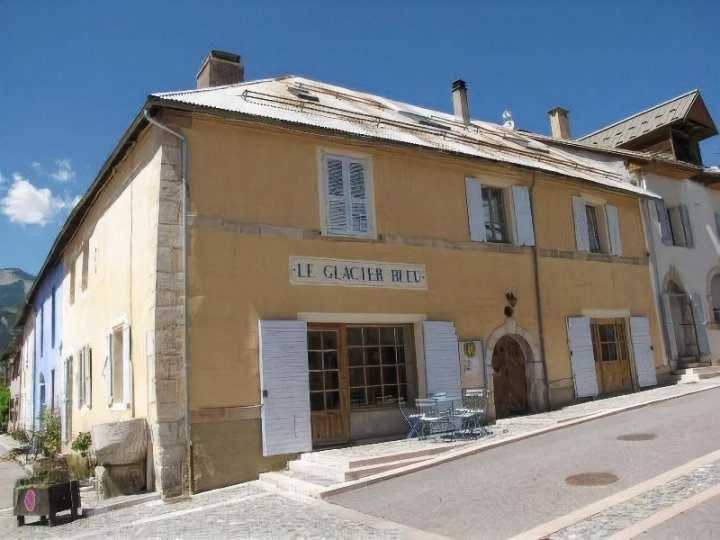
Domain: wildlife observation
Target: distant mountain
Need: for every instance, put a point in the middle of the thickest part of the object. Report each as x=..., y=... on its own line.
x=14, y=284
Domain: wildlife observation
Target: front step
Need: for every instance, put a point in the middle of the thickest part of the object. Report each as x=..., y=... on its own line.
x=695, y=374
x=348, y=474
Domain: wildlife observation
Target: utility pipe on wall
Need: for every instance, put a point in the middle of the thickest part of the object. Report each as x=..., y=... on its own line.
x=186, y=335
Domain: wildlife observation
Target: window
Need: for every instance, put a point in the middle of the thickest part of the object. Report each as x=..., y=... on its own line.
x=609, y=341
x=347, y=198
x=84, y=378
x=52, y=319
x=42, y=330
x=491, y=210
x=715, y=296
x=52, y=390
x=675, y=228
x=597, y=227
x=85, y=265
x=117, y=368
x=71, y=283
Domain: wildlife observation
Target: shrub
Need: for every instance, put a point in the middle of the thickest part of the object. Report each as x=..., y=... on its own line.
x=51, y=443
x=20, y=435
x=82, y=443
x=4, y=403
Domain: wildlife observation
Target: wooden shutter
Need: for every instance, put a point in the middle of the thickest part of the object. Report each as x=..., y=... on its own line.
x=669, y=327
x=664, y=220
x=285, y=387
x=582, y=238
x=700, y=322
x=687, y=229
x=582, y=357
x=357, y=186
x=108, y=370
x=337, y=214
x=523, y=216
x=476, y=212
x=644, y=362
x=613, y=230
x=442, y=361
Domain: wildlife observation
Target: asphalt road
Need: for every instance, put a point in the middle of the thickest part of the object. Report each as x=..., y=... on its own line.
x=508, y=490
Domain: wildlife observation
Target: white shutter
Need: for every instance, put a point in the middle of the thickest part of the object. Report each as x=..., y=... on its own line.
x=644, y=362
x=442, y=361
x=523, y=216
x=87, y=358
x=664, y=220
x=581, y=227
x=358, y=197
x=685, y=218
x=285, y=387
x=700, y=321
x=613, y=230
x=108, y=370
x=337, y=214
x=476, y=212
x=582, y=358
x=79, y=380
x=127, y=366
x=669, y=327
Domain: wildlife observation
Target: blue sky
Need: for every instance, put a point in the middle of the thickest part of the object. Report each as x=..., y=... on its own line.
x=73, y=74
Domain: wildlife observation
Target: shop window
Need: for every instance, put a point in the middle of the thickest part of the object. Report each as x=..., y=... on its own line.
x=346, y=190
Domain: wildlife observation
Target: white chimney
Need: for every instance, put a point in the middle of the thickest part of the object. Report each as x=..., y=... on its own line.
x=220, y=68
x=460, y=101
x=559, y=123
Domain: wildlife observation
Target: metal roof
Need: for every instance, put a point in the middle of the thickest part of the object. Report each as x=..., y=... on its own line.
x=619, y=133
x=305, y=102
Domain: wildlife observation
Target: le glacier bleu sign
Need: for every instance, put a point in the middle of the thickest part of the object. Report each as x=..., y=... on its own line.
x=316, y=271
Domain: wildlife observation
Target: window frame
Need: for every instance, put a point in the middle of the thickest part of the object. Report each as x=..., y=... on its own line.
x=323, y=155
x=490, y=211
x=121, y=327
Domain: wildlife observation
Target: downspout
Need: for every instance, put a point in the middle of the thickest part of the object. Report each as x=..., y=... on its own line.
x=186, y=325
x=538, y=299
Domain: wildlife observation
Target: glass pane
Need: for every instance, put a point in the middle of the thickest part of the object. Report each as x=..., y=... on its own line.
x=374, y=394
x=331, y=380
x=316, y=401
x=357, y=397
x=389, y=375
x=387, y=336
x=314, y=341
x=372, y=336
x=331, y=360
x=607, y=332
x=316, y=380
x=372, y=357
x=388, y=355
x=314, y=360
x=403, y=391
x=373, y=376
x=400, y=355
x=401, y=374
x=357, y=377
x=389, y=393
x=354, y=336
x=332, y=400
x=330, y=340
x=355, y=356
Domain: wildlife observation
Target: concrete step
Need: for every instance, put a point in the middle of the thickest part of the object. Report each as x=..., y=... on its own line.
x=695, y=374
x=297, y=484
x=358, y=462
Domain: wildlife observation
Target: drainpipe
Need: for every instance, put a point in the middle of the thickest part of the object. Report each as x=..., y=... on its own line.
x=186, y=335
x=538, y=300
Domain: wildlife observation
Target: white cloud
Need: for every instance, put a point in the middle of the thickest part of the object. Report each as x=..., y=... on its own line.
x=28, y=205
x=2, y=179
x=64, y=171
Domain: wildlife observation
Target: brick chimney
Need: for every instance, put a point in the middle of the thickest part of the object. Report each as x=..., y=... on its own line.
x=460, y=101
x=559, y=123
x=220, y=68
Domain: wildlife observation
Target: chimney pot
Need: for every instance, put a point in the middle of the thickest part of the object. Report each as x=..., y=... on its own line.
x=460, y=101
x=559, y=123
x=220, y=68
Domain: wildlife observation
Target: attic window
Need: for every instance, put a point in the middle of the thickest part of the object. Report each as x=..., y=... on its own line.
x=424, y=120
x=302, y=93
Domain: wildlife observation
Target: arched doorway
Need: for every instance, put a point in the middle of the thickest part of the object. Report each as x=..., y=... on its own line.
x=509, y=378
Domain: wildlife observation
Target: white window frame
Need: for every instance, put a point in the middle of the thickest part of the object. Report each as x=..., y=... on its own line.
x=601, y=207
x=84, y=377
x=116, y=403
x=323, y=155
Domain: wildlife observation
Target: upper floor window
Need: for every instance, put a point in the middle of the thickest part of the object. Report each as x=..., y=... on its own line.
x=85, y=265
x=117, y=369
x=675, y=228
x=52, y=319
x=597, y=229
x=346, y=191
x=491, y=210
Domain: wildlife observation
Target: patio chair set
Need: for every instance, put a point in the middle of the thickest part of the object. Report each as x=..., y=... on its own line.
x=444, y=417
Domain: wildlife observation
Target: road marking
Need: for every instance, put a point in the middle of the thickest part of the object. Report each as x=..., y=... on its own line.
x=666, y=514
x=546, y=529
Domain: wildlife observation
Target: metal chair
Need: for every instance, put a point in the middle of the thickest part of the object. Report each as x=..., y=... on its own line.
x=413, y=420
x=472, y=413
x=436, y=417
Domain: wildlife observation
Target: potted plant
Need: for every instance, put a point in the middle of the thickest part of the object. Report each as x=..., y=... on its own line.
x=49, y=490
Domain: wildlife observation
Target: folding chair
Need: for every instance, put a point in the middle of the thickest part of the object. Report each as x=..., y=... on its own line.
x=413, y=420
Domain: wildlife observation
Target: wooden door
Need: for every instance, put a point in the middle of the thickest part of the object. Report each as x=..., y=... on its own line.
x=329, y=403
x=509, y=380
x=612, y=362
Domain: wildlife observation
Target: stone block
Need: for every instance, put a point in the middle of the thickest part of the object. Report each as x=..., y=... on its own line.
x=169, y=212
x=115, y=480
x=120, y=443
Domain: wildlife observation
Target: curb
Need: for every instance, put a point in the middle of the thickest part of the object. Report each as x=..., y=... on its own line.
x=453, y=455
x=94, y=511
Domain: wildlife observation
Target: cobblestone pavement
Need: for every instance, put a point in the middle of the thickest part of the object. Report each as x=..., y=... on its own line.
x=625, y=514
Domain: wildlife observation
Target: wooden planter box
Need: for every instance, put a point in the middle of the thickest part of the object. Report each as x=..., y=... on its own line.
x=47, y=501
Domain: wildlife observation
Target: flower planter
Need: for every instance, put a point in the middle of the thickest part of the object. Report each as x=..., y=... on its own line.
x=46, y=501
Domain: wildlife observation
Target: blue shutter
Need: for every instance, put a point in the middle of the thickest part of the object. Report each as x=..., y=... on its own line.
x=582, y=238
x=523, y=216
x=644, y=362
x=285, y=387
x=613, y=230
x=664, y=220
x=687, y=229
x=476, y=212
x=337, y=213
x=582, y=358
x=672, y=351
x=700, y=322
x=442, y=361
